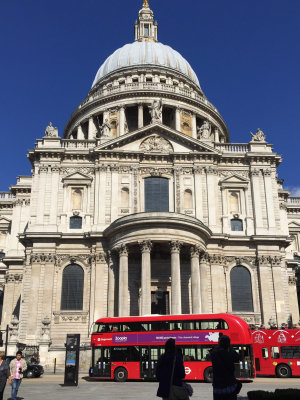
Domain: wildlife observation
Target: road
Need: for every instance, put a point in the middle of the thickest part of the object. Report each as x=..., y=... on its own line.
x=51, y=387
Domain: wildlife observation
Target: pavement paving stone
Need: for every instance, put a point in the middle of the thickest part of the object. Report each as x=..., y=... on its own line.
x=50, y=387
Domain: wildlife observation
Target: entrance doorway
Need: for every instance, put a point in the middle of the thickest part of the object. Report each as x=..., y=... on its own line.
x=160, y=303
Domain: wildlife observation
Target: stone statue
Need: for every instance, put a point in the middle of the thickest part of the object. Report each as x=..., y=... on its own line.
x=259, y=136
x=105, y=128
x=156, y=111
x=204, y=131
x=51, y=131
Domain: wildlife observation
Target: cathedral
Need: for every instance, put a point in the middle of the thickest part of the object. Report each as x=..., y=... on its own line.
x=144, y=206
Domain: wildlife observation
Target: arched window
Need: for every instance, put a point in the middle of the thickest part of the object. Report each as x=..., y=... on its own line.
x=156, y=194
x=125, y=197
x=234, y=202
x=236, y=224
x=241, y=289
x=188, y=201
x=72, y=288
x=75, y=222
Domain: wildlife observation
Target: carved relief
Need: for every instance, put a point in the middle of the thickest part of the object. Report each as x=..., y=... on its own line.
x=292, y=280
x=42, y=257
x=186, y=123
x=175, y=246
x=156, y=143
x=122, y=250
x=15, y=278
x=69, y=316
x=83, y=170
x=195, y=251
x=145, y=246
x=65, y=258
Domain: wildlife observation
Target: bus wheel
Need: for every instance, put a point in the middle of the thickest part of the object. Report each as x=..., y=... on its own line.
x=208, y=375
x=120, y=375
x=283, y=371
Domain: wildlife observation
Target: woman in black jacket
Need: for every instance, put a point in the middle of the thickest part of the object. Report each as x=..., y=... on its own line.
x=165, y=367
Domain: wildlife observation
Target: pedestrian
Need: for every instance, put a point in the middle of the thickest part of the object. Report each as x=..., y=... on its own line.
x=17, y=367
x=170, y=373
x=4, y=373
x=225, y=385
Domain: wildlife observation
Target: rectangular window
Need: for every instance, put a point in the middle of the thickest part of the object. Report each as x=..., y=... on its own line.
x=290, y=352
x=265, y=352
x=275, y=352
x=146, y=30
x=75, y=223
x=156, y=194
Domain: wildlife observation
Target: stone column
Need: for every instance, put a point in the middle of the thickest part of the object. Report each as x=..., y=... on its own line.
x=205, y=287
x=211, y=173
x=175, y=278
x=122, y=120
x=54, y=193
x=123, y=281
x=111, y=286
x=266, y=292
x=80, y=134
x=140, y=115
x=146, y=277
x=41, y=195
x=198, y=192
x=256, y=190
x=92, y=129
x=279, y=289
x=217, y=139
x=195, y=280
x=194, y=126
x=177, y=119
x=269, y=200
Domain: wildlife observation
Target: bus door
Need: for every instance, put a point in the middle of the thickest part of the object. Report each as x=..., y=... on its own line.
x=244, y=368
x=101, y=365
x=149, y=358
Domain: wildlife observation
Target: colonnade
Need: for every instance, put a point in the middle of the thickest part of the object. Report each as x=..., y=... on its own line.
x=197, y=275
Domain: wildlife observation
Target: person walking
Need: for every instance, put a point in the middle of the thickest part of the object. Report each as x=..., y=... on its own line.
x=17, y=367
x=225, y=386
x=4, y=373
x=170, y=373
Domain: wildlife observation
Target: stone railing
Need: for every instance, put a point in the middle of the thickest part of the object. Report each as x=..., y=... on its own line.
x=78, y=144
x=147, y=86
x=293, y=200
x=6, y=196
x=232, y=147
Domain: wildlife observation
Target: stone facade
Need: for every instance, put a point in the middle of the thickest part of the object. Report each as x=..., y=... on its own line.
x=85, y=205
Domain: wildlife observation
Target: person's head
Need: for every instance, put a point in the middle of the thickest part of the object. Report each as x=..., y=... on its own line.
x=18, y=355
x=2, y=355
x=170, y=346
x=224, y=342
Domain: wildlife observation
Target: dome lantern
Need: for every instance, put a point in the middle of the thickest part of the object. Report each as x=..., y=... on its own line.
x=145, y=29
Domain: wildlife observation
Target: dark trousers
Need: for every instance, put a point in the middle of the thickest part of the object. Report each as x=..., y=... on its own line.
x=2, y=391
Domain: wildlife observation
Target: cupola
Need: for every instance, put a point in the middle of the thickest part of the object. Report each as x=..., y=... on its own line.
x=145, y=28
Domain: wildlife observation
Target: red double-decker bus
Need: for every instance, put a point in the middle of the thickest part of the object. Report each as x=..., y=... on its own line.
x=129, y=348
x=277, y=352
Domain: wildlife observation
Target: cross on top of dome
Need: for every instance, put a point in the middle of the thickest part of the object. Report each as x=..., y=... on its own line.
x=146, y=28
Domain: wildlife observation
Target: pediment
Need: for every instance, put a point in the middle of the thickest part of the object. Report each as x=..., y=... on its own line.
x=234, y=180
x=156, y=138
x=294, y=224
x=77, y=178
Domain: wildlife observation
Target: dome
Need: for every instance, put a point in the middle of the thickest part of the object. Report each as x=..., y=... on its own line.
x=145, y=53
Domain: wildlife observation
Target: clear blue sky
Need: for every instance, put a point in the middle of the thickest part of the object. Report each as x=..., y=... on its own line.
x=245, y=53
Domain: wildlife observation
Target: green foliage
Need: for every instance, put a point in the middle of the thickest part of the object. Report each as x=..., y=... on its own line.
x=260, y=395
x=279, y=394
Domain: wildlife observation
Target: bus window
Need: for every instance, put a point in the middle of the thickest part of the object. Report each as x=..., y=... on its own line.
x=145, y=326
x=125, y=354
x=189, y=353
x=265, y=352
x=218, y=324
x=206, y=351
x=176, y=326
x=96, y=328
x=187, y=325
x=275, y=352
x=290, y=352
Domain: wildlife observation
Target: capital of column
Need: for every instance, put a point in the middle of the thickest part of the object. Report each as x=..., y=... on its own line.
x=175, y=246
x=203, y=257
x=123, y=250
x=145, y=246
x=195, y=251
